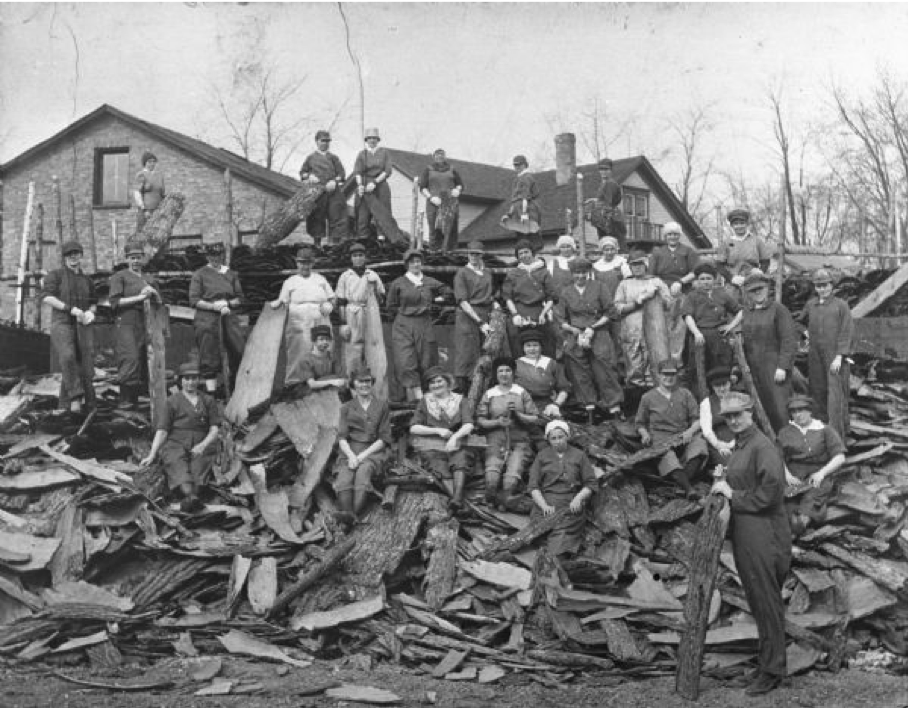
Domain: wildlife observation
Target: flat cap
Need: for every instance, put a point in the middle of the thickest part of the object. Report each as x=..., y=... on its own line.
x=735, y=402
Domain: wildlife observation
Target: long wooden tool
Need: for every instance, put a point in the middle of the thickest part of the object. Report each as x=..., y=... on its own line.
x=225, y=358
x=762, y=418
x=23, y=255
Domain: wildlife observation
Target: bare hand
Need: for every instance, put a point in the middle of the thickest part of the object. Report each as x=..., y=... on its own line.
x=276, y=304
x=721, y=487
x=780, y=376
x=147, y=461
x=724, y=330
x=738, y=280
x=725, y=449
x=816, y=479
x=331, y=186
x=345, y=332
x=435, y=200
x=542, y=318
x=338, y=383
x=836, y=365
x=576, y=504
x=225, y=310
x=353, y=462
x=791, y=480
x=504, y=421
x=326, y=308
x=455, y=192
x=198, y=450
x=675, y=289
x=360, y=190
x=646, y=438
x=686, y=437
x=372, y=277
x=524, y=218
x=87, y=317
x=443, y=433
x=370, y=187
x=452, y=444
x=220, y=304
x=312, y=179
x=699, y=339
x=552, y=411
x=485, y=328
x=548, y=509
x=517, y=320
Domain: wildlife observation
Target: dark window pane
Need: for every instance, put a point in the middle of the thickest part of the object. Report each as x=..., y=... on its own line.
x=641, y=207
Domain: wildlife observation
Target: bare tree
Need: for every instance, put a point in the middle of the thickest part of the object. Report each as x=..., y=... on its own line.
x=692, y=129
x=597, y=128
x=784, y=145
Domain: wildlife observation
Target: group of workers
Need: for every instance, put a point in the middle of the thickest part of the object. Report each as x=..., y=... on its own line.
x=576, y=331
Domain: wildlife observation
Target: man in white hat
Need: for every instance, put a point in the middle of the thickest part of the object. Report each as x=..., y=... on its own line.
x=372, y=170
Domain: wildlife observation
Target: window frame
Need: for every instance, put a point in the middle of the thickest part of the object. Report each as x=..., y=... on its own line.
x=98, y=178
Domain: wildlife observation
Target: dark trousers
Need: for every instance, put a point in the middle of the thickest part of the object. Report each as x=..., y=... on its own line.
x=437, y=240
x=593, y=372
x=208, y=341
x=829, y=391
x=132, y=357
x=328, y=217
x=75, y=347
x=382, y=193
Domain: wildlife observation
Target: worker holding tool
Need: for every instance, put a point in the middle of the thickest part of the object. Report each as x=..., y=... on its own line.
x=329, y=217
x=710, y=314
x=674, y=263
x=358, y=289
x=524, y=215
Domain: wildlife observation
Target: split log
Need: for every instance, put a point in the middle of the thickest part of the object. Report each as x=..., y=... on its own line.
x=525, y=536
x=384, y=219
x=887, y=575
x=256, y=376
x=156, y=329
x=312, y=576
x=389, y=497
x=759, y=410
x=159, y=228
x=655, y=331
x=703, y=566
x=653, y=452
x=441, y=542
x=279, y=224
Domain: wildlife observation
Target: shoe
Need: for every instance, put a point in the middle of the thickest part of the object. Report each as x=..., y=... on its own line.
x=746, y=679
x=345, y=519
x=764, y=684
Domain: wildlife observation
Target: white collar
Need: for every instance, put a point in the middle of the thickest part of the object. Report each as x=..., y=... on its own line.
x=370, y=150
x=535, y=265
x=222, y=269
x=605, y=266
x=497, y=390
x=540, y=363
x=415, y=279
x=321, y=152
x=564, y=262
x=478, y=271
x=814, y=425
x=523, y=172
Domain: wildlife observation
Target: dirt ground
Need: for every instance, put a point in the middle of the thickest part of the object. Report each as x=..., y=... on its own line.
x=35, y=687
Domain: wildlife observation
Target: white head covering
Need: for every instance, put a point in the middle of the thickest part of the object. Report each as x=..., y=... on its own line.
x=566, y=240
x=672, y=226
x=608, y=241
x=557, y=425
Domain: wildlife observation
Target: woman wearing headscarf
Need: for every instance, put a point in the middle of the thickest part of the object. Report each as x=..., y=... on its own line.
x=610, y=268
x=529, y=295
x=187, y=430
x=561, y=476
x=129, y=289
x=310, y=302
x=560, y=265
x=442, y=421
x=413, y=342
x=506, y=413
x=149, y=190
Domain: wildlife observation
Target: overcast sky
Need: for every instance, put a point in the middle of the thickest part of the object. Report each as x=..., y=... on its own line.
x=485, y=81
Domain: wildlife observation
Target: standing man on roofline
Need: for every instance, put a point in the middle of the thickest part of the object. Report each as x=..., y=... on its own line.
x=440, y=181
x=330, y=213
x=372, y=170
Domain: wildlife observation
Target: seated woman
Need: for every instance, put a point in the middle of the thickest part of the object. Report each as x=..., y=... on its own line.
x=712, y=423
x=812, y=451
x=441, y=422
x=321, y=368
x=506, y=412
x=363, y=440
x=561, y=476
x=543, y=378
x=184, y=439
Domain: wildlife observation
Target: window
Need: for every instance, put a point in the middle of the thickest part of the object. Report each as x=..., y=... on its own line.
x=111, y=187
x=636, y=205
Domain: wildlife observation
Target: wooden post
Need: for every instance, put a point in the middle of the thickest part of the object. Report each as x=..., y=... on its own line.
x=580, y=221
x=700, y=364
x=232, y=231
x=39, y=261
x=702, y=567
x=92, y=240
x=862, y=236
x=23, y=256
x=414, y=243
x=58, y=213
x=73, y=231
x=115, y=242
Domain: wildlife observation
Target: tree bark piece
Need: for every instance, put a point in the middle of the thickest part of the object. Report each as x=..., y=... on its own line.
x=491, y=347
x=651, y=453
x=655, y=331
x=570, y=659
x=256, y=375
x=441, y=541
x=386, y=222
x=279, y=224
x=882, y=573
x=525, y=536
x=156, y=329
x=159, y=228
x=703, y=566
x=312, y=576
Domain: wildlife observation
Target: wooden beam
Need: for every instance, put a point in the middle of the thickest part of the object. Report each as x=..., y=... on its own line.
x=23, y=255
x=887, y=289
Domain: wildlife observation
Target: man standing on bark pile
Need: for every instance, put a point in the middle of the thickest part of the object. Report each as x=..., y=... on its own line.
x=440, y=182
x=330, y=213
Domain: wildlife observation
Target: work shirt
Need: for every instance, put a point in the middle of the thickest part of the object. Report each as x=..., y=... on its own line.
x=496, y=402
x=473, y=287
x=560, y=268
x=210, y=284
x=317, y=365
x=583, y=309
x=543, y=379
x=151, y=186
x=756, y=476
x=525, y=187
x=528, y=286
x=126, y=283
x=324, y=165
x=830, y=326
x=181, y=415
x=300, y=290
x=371, y=164
x=664, y=416
x=672, y=264
x=560, y=474
x=411, y=300
x=439, y=180
x=365, y=425
x=740, y=255
x=73, y=289
x=807, y=450
x=610, y=193
x=710, y=310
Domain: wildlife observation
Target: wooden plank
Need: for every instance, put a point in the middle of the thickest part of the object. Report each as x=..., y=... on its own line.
x=11, y=407
x=21, y=275
x=156, y=330
x=878, y=297
x=39, y=551
x=451, y=662
x=503, y=575
x=88, y=468
x=655, y=331
x=256, y=376
x=261, y=585
x=68, y=560
x=375, y=353
x=41, y=479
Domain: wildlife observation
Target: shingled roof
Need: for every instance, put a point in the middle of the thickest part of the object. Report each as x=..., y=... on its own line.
x=554, y=200
x=216, y=157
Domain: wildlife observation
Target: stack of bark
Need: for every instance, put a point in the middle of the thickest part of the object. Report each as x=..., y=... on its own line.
x=95, y=565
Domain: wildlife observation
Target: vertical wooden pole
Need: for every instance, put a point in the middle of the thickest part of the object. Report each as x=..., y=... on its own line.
x=580, y=220
x=39, y=261
x=23, y=255
x=92, y=240
x=73, y=231
x=415, y=242
x=58, y=214
x=898, y=232
x=115, y=241
x=233, y=235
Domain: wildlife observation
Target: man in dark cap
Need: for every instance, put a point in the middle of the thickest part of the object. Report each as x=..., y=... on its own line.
x=746, y=250
x=149, y=190
x=214, y=292
x=475, y=295
x=321, y=368
x=358, y=289
x=71, y=295
x=760, y=534
x=439, y=182
x=607, y=214
x=330, y=212
x=582, y=314
x=524, y=207
x=665, y=412
x=710, y=313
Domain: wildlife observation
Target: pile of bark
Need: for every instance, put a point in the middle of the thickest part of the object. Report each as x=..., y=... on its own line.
x=96, y=565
